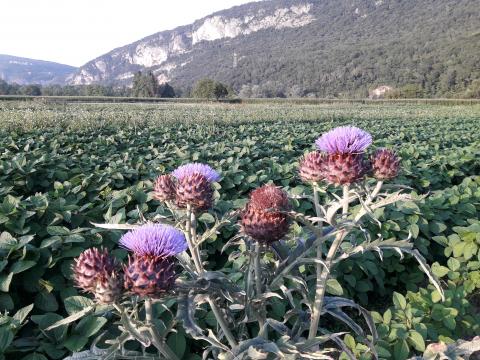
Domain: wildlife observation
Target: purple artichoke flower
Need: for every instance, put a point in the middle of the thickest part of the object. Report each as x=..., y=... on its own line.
x=154, y=240
x=344, y=140
x=188, y=170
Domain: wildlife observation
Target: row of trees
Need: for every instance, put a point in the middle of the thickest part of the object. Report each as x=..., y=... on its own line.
x=144, y=85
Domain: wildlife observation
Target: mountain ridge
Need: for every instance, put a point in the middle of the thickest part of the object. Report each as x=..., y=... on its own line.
x=21, y=70
x=309, y=48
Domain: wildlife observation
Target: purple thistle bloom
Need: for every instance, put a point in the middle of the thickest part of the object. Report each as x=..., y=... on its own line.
x=344, y=140
x=154, y=239
x=196, y=168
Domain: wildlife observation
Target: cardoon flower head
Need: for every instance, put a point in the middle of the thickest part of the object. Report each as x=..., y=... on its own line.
x=344, y=140
x=154, y=240
x=312, y=167
x=343, y=169
x=385, y=164
x=269, y=197
x=151, y=269
x=97, y=272
x=149, y=275
x=164, y=188
x=194, y=186
x=264, y=218
x=188, y=170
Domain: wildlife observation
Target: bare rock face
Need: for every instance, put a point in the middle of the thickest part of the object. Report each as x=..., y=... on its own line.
x=155, y=52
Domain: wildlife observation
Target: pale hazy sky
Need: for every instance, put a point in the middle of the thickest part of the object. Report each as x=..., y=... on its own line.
x=76, y=31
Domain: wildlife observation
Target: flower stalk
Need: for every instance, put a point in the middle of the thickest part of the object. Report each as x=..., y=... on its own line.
x=258, y=288
x=324, y=272
x=157, y=341
x=191, y=236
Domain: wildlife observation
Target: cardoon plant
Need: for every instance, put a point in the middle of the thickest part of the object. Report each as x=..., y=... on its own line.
x=269, y=261
x=151, y=269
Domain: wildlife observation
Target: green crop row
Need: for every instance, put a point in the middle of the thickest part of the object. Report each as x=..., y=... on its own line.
x=63, y=167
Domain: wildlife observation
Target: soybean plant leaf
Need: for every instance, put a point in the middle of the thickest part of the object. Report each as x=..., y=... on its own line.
x=401, y=350
x=74, y=304
x=334, y=287
x=22, y=265
x=22, y=313
x=399, y=301
x=90, y=325
x=6, y=337
x=75, y=342
x=416, y=340
x=34, y=356
x=176, y=342
x=5, y=281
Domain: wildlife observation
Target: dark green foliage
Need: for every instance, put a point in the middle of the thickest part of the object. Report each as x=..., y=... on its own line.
x=209, y=89
x=65, y=166
x=144, y=85
x=166, y=91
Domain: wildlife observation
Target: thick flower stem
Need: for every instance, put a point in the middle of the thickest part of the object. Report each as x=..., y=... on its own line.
x=223, y=324
x=325, y=272
x=157, y=341
x=191, y=235
x=258, y=287
x=191, y=241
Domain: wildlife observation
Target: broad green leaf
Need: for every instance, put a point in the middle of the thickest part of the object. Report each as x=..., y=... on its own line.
x=453, y=264
x=416, y=340
x=75, y=342
x=90, y=325
x=22, y=265
x=399, y=301
x=6, y=337
x=401, y=350
x=439, y=270
x=5, y=281
x=74, y=304
x=334, y=287
x=177, y=342
x=22, y=313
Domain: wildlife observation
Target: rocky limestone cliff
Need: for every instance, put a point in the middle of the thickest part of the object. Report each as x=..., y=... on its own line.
x=119, y=65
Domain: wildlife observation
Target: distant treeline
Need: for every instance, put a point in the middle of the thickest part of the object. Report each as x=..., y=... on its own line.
x=145, y=85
